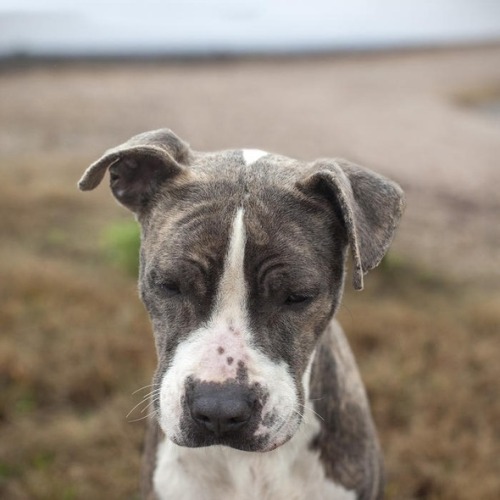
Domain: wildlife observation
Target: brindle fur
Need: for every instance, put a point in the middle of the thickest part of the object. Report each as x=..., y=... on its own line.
x=299, y=216
x=347, y=441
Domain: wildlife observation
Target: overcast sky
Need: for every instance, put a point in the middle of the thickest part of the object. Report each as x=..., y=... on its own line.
x=65, y=27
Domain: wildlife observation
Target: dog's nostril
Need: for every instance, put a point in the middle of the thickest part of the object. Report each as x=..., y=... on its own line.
x=237, y=420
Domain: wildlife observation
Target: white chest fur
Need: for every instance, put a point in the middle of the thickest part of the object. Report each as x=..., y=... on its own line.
x=291, y=472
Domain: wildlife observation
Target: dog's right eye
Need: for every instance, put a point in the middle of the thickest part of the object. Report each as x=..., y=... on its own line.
x=170, y=288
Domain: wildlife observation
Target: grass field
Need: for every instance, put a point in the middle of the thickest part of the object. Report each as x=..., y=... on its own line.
x=75, y=342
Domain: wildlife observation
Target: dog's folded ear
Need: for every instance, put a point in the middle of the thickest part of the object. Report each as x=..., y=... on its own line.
x=370, y=206
x=139, y=167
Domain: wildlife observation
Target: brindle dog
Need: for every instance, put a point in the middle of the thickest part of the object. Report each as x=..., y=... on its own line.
x=242, y=267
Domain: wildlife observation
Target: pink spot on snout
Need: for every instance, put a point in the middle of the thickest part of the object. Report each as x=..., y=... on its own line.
x=224, y=356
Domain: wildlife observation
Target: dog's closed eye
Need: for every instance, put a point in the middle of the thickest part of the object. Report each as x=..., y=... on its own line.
x=298, y=299
x=170, y=288
x=165, y=286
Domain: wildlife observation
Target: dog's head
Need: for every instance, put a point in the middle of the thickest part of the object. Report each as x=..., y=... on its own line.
x=242, y=266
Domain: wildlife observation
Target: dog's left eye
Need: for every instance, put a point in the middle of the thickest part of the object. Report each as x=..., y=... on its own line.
x=297, y=298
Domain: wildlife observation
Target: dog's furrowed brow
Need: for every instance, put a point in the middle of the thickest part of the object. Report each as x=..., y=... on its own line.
x=268, y=263
x=196, y=215
x=288, y=278
x=178, y=266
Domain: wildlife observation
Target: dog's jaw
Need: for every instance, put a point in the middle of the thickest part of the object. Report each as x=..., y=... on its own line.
x=222, y=351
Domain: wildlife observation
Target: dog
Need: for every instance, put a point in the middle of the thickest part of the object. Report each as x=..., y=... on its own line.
x=242, y=264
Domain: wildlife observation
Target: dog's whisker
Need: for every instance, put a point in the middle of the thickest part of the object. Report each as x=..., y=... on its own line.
x=132, y=410
x=154, y=393
x=145, y=387
x=151, y=403
x=143, y=417
x=310, y=409
x=291, y=408
x=144, y=400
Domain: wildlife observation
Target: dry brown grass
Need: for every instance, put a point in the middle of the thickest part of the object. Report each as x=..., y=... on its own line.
x=428, y=349
x=75, y=342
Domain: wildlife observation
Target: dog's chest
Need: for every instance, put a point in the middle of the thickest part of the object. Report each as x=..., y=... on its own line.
x=291, y=472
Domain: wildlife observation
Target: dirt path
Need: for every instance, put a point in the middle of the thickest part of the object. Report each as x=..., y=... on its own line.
x=397, y=113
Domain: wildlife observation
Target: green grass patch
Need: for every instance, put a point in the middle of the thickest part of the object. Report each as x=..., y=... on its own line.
x=43, y=460
x=25, y=404
x=121, y=242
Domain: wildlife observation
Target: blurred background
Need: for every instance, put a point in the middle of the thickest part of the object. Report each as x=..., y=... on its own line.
x=410, y=89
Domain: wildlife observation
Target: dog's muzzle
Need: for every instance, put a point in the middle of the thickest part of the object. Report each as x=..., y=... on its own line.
x=222, y=413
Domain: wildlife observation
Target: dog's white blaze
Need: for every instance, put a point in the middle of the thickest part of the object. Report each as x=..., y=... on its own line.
x=231, y=297
x=252, y=155
x=214, y=352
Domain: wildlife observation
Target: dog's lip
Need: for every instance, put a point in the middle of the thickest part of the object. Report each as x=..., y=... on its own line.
x=290, y=424
x=237, y=442
x=275, y=446
x=270, y=441
x=241, y=445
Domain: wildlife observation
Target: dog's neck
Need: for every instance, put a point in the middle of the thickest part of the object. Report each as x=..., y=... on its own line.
x=292, y=471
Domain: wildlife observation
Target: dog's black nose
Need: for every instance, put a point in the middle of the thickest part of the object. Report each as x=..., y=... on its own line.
x=221, y=408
